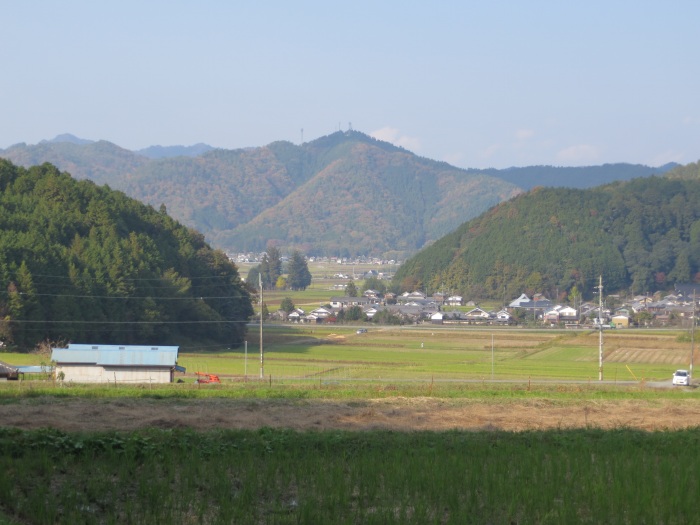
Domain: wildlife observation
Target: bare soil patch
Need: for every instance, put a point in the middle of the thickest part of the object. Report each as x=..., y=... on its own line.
x=399, y=414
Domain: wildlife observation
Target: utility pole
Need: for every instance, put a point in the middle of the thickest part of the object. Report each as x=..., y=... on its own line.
x=262, y=304
x=692, y=338
x=600, y=328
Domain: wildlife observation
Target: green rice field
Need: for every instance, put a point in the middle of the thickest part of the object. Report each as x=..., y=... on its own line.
x=286, y=477
x=438, y=353
x=427, y=353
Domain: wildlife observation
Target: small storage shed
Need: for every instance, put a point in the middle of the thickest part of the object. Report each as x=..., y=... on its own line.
x=621, y=321
x=86, y=363
x=8, y=371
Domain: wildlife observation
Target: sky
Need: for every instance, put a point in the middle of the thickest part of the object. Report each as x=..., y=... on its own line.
x=477, y=84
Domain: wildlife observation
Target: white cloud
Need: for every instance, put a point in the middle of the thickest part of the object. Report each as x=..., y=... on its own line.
x=665, y=157
x=490, y=151
x=524, y=134
x=578, y=154
x=393, y=135
x=453, y=158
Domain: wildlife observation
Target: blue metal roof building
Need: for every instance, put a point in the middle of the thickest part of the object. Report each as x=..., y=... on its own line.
x=115, y=363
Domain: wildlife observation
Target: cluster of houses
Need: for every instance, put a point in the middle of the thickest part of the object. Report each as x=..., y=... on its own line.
x=413, y=307
x=416, y=307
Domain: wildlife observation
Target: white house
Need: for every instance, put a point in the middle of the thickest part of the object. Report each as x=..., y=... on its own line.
x=436, y=318
x=520, y=300
x=503, y=316
x=85, y=363
x=477, y=314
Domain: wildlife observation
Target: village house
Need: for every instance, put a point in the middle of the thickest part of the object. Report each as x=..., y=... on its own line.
x=561, y=314
x=454, y=300
x=503, y=317
x=338, y=303
x=477, y=315
x=620, y=321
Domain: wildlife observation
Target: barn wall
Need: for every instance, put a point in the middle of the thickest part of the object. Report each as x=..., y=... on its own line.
x=125, y=374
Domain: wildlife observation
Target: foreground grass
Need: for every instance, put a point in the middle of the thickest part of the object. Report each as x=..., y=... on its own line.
x=280, y=476
x=14, y=391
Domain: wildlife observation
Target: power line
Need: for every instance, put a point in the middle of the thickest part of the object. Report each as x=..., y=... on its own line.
x=75, y=321
x=179, y=276
x=126, y=297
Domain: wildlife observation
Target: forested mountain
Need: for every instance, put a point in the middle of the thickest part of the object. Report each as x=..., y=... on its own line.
x=368, y=197
x=342, y=194
x=164, y=152
x=642, y=235
x=101, y=162
x=81, y=262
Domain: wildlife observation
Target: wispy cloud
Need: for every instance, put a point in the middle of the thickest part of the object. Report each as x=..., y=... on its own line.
x=580, y=153
x=665, y=157
x=524, y=134
x=393, y=135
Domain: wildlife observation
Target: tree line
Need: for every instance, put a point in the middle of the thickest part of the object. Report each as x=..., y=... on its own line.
x=272, y=274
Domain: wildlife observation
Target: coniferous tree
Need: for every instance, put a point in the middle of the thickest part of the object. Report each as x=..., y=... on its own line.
x=287, y=305
x=351, y=289
x=299, y=276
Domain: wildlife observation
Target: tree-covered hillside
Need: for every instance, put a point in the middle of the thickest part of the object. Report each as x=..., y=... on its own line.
x=369, y=201
x=641, y=236
x=83, y=263
x=101, y=162
x=342, y=194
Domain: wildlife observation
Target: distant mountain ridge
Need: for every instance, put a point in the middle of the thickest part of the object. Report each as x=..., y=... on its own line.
x=164, y=152
x=342, y=194
x=575, y=177
x=67, y=137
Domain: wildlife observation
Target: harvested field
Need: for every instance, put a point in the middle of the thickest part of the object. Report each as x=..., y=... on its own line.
x=398, y=413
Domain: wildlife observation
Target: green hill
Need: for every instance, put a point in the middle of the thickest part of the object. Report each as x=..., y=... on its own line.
x=101, y=162
x=640, y=235
x=81, y=262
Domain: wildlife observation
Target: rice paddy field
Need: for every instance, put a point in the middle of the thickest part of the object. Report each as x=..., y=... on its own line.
x=286, y=477
x=426, y=353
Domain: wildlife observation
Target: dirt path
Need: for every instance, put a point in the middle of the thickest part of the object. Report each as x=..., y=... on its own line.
x=401, y=414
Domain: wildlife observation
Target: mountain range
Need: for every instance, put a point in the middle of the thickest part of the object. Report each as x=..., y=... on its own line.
x=344, y=194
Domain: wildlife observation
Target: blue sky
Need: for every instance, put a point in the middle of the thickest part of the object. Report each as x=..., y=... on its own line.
x=477, y=84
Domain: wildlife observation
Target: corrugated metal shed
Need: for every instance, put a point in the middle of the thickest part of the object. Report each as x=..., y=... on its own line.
x=116, y=355
x=8, y=371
